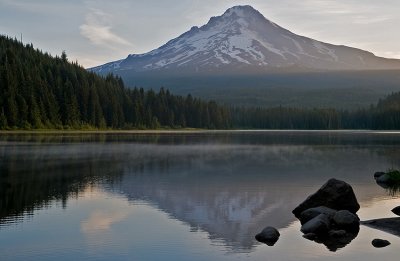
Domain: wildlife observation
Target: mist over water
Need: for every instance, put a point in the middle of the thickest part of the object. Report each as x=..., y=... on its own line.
x=199, y=196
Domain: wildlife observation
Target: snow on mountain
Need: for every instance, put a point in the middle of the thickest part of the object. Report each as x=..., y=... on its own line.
x=242, y=39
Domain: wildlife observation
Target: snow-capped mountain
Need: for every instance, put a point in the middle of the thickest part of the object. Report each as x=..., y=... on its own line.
x=242, y=39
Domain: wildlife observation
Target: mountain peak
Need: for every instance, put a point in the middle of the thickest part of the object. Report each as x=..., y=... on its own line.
x=241, y=11
x=242, y=39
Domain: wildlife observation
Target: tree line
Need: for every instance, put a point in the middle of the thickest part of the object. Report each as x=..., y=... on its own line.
x=38, y=91
x=385, y=115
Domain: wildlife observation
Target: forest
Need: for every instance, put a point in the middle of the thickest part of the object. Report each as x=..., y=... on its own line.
x=38, y=91
x=42, y=92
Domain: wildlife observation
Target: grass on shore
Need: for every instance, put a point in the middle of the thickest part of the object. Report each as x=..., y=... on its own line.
x=394, y=175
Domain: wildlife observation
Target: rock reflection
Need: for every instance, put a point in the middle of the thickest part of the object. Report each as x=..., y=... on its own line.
x=336, y=242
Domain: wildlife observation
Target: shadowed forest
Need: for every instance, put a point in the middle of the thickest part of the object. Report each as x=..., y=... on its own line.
x=38, y=91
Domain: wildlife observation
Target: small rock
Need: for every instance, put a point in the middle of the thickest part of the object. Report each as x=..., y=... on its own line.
x=337, y=233
x=385, y=178
x=318, y=225
x=396, y=210
x=378, y=174
x=310, y=236
x=311, y=213
x=346, y=219
x=268, y=235
x=380, y=243
x=335, y=194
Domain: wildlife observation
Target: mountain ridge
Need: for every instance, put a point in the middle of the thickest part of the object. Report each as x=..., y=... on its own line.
x=243, y=40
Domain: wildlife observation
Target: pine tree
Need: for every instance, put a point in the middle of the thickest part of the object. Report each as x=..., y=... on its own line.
x=3, y=120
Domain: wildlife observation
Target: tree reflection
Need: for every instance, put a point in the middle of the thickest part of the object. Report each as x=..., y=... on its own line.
x=230, y=185
x=33, y=176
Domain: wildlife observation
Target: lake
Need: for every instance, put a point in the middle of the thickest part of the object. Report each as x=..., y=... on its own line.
x=185, y=195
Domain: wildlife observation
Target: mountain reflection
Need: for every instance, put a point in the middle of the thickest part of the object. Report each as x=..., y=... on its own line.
x=230, y=186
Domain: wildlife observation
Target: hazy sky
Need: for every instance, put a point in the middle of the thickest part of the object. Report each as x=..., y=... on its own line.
x=98, y=31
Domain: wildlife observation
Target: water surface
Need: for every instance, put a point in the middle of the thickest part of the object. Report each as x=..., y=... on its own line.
x=184, y=196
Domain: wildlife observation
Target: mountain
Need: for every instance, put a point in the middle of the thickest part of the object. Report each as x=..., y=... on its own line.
x=243, y=40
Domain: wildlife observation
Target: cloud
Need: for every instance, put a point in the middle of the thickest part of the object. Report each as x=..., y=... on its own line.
x=98, y=29
x=366, y=20
x=44, y=7
x=369, y=12
x=389, y=54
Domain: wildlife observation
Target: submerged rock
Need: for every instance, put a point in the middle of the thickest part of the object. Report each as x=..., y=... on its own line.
x=337, y=233
x=396, y=210
x=268, y=235
x=378, y=243
x=391, y=177
x=318, y=225
x=385, y=178
x=311, y=213
x=310, y=236
x=334, y=194
x=347, y=220
x=378, y=174
x=389, y=225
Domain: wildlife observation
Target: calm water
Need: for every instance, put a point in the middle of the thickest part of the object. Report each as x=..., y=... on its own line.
x=200, y=196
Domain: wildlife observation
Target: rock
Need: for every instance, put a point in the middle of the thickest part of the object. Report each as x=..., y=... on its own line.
x=335, y=194
x=337, y=233
x=311, y=213
x=346, y=219
x=389, y=225
x=385, y=178
x=396, y=210
x=378, y=174
x=268, y=235
x=380, y=243
x=310, y=236
x=318, y=225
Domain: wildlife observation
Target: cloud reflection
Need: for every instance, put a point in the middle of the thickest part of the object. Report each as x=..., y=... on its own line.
x=100, y=221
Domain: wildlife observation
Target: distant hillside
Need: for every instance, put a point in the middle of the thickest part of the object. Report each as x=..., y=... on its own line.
x=342, y=90
x=40, y=91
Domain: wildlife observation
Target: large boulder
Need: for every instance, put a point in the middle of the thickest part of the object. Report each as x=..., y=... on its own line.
x=268, y=235
x=347, y=220
x=318, y=225
x=311, y=213
x=335, y=194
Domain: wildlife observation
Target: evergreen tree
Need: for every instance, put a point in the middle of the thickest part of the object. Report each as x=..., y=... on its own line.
x=3, y=120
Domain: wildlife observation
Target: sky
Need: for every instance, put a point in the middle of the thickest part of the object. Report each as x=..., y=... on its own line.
x=94, y=32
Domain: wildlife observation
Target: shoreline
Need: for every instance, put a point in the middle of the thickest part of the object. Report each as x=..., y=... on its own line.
x=195, y=131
